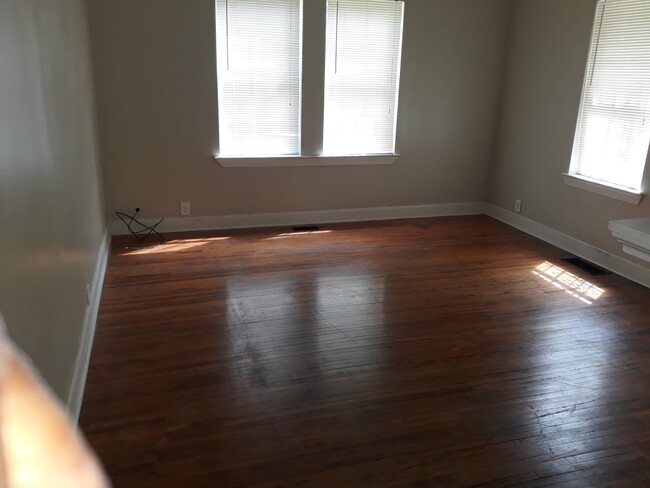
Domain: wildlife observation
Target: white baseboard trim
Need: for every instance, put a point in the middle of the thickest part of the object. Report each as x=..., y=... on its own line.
x=615, y=264
x=76, y=392
x=213, y=222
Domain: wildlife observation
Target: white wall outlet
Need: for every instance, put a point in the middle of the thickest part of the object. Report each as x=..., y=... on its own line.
x=87, y=293
x=185, y=208
x=518, y=206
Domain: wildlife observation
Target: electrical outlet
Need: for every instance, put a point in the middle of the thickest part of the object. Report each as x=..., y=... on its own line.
x=185, y=208
x=87, y=293
x=518, y=206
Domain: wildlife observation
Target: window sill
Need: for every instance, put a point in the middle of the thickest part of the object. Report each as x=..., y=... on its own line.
x=596, y=186
x=279, y=161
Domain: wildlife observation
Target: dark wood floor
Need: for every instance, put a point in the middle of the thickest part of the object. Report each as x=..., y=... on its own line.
x=433, y=352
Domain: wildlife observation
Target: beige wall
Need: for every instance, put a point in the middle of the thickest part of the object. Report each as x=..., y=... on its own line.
x=51, y=221
x=546, y=62
x=154, y=65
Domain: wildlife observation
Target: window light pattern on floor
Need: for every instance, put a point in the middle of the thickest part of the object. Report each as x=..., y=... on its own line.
x=174, y=246
x=284, y=235
x=570, y=283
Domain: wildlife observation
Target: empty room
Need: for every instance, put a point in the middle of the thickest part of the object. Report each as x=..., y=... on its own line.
x=361, y=243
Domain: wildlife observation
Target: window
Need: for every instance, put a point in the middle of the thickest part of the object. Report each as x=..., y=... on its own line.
x=613, y=131
x=259, y=45
x=362, y=64
x=258, y=76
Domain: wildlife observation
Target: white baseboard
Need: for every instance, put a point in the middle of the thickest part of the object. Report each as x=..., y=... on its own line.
x=570, y=244
x=616, y=264
x=76, y=392
x=176, y=224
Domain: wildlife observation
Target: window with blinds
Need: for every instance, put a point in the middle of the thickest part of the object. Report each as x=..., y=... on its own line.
x=362, y=63
x=613, y=129
x=258, y=76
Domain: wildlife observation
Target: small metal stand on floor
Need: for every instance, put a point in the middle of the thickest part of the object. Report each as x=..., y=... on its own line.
x=144, y=231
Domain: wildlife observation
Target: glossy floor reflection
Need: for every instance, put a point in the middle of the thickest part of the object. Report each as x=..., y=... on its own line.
x=429, y=352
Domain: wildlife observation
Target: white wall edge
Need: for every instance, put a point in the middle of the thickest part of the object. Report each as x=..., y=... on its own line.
x=78, y=383
x=615, y=264
x=215, y=222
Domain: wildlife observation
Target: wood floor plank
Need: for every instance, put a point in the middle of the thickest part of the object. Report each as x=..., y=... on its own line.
x=428, y=352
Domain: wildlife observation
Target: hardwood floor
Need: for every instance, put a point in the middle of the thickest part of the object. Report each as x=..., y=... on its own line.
x=432, y=352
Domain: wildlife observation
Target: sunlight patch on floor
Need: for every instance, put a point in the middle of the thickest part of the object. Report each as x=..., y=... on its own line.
x=173, y=246
x=284, y=235
x=560, y=278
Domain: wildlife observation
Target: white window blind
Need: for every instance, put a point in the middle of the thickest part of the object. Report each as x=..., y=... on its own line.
x=258, y=76
x=614, y=122
x=362, y=62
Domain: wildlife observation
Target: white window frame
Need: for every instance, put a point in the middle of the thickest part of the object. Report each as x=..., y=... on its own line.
x=574, y=178
x=312, y=100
